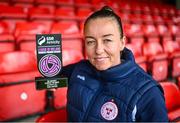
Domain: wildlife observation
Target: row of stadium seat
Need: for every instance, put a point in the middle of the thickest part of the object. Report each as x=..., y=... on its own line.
x=71, y=29
x=71, y=13
x=46, y=9
x=129, y=6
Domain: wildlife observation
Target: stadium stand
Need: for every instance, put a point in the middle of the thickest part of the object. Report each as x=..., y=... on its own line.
x=152, y=31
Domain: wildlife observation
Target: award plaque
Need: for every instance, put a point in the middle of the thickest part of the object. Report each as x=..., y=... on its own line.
x=49, y=61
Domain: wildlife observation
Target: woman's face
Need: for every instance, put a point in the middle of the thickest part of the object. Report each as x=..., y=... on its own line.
x=103, y=43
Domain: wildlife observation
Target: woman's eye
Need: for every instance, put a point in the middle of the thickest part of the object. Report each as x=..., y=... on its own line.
x=90, y=42
x=107, y=40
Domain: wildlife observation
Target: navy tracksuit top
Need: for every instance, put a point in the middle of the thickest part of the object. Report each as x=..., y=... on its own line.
x=119, y=94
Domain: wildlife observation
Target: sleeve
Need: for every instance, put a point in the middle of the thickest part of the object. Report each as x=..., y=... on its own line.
x=151, y=107
x=67, y=70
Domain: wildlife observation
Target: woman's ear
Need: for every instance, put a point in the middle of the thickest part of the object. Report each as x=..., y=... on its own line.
x=123, y=43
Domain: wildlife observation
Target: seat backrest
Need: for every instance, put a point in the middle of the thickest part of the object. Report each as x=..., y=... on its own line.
x=65, y=11
x=39, y=10
x=135, y=49
x=170, y=46
x=17, y=61
x=54, y=116
x=172, y=95
x=65, y=27
x=152, y=48
x=133, y=30
x=4, y=28
x=71, y=56
x=12, y=10
x=163, y=29
x=174, y=29
x=31, y=28
x=150, y=30
x=83, y=12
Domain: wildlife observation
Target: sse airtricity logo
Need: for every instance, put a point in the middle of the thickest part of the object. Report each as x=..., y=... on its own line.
x=41, y=40
x=50, y=65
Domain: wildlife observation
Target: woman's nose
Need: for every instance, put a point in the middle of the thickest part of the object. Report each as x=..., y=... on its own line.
x=99, y=48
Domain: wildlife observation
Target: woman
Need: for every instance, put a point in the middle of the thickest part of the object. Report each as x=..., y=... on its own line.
x=110, y=86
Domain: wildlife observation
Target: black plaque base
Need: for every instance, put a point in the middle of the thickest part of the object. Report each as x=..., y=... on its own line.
x=49, y=83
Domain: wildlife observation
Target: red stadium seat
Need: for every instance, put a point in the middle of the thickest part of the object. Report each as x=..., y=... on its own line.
x=173, y=49
x=25, y=5
x=17, y=67
x=163, y=30
x=40, y=13
x=157, y=19
x=31, y=28
x=65, y=2
x=71, y=56
x=147, y=18
x=83, y=13
x=7, y=41
x=139, y=58
x=21, y=100
x=154, y=9
x=5, y=28
x=139, y=41
x=65, y=13
x=150, y=30
x=163, y=10
x=167, y=19
x=6, y=46
x=17, y=61
x=125, y=7
x=25, y=34
x=136, y=9
x=12, y=12
x=60, y=97
x=172, y=99
x=75, y=44
x=158, y=63
x=133, y=30
x=136, y=49
x=29, y=45
x=68, y=29
x=125, y=17
x=146, y=9
x=82, y=3
x=174, y=29
x=152, y=48
x=54, y=116
x=136, y=18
